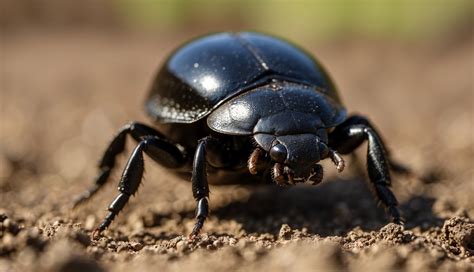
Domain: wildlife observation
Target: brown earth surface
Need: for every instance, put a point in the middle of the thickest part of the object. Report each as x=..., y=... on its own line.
x=64, y=95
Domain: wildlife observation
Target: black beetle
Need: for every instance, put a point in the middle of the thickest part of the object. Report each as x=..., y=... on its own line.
x=243, y=108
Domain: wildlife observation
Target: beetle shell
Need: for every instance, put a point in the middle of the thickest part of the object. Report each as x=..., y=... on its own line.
x=208, y=71
x=277, y=109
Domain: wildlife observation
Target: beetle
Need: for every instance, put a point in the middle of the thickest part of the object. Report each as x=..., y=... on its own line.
x=243, y=108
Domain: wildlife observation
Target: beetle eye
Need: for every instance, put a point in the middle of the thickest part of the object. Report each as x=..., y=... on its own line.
x=278, y=153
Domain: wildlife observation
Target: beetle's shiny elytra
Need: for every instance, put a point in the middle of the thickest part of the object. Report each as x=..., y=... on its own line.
x=210, y=70
x=243, y=108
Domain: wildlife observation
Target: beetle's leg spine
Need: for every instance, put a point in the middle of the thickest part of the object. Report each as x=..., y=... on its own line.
x=131, y=178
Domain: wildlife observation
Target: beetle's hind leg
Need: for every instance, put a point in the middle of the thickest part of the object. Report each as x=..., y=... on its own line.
x=117, y=145
x=156, y=148
x=351, y=134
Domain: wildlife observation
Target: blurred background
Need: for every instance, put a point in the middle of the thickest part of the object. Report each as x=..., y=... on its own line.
x=73, y=72
x=306, y=21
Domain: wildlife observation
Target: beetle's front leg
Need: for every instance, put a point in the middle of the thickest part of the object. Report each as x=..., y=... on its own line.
x=200, y=185
x=352, y=133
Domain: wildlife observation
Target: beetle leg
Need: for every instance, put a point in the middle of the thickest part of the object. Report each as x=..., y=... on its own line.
x=396, y=167
x=200, y=186
x=352, y=133
x=138, y=132
x=133, y=173
x=337, y=160
x=254, y=159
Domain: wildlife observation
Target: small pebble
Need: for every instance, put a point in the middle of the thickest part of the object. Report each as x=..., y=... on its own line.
x=285, y=232
x=211, y=247
x=182, y=246
x=102, y=243
x=112, y=245
x=217, y=243
x=136, y=246
x=11, y=226
x=122, y=247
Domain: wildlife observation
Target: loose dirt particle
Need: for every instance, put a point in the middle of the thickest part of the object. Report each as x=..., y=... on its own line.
x=136, y=246
x=458, y=236
x=182, y=246
x=285, y=232
x=394, y=233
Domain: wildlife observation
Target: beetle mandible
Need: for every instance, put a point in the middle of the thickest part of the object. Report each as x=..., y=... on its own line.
x=243, y=108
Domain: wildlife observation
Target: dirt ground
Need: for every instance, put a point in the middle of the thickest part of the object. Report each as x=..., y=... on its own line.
x=64, y=95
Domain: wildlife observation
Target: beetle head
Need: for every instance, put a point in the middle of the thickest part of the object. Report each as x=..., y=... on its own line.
x=288, y=121
x=294, y=157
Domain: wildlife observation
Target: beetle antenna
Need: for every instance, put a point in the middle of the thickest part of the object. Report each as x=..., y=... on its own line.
x=277, y=173
x=290, y=175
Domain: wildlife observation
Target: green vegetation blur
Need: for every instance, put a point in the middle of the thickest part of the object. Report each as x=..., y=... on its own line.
x=319, y=19
x=302, y=20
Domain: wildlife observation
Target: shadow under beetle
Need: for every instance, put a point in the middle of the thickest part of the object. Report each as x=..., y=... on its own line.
x=243, y=108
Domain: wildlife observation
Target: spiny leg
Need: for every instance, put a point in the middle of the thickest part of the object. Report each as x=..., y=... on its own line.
x=352, y=133
x=132, y=175
x=107, y=163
